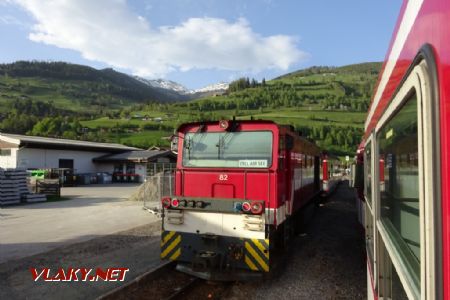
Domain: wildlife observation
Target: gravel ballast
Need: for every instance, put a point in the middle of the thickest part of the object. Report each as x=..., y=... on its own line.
x=326, y=262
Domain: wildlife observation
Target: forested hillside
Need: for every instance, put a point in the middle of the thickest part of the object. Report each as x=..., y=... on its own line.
x=346, y=88
x=327, y=104
x=76, y=87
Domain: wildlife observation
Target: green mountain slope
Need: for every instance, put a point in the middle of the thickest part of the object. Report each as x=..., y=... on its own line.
x=75, y=87
x=327, y=104
x=345, y=88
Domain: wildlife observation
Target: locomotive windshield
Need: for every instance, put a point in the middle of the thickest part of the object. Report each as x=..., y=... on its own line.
x=248, y=149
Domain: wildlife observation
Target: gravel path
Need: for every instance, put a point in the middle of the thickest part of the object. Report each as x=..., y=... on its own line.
x=137, y=249
x=89, y=212
x=328, y=262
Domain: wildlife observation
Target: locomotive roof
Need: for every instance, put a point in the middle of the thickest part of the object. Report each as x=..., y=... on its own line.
x=282, y=127
x=184, y=125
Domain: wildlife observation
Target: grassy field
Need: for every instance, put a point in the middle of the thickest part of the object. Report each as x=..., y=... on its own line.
x=143, y=139
x=288, y=116
x=139, y=136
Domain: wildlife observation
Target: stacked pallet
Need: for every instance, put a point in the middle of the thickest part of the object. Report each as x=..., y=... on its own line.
x=14, y=189
x=8, y=192
x=31, y=198
x=19, y=178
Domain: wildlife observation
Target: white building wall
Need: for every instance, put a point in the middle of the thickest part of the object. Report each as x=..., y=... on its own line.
x=9, y=161
x=30, y=158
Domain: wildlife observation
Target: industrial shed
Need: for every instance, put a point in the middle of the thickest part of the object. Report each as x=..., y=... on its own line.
x=140, y=162
x=32, y=152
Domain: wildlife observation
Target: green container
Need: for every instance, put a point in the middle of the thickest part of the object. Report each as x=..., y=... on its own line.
x=39, y=174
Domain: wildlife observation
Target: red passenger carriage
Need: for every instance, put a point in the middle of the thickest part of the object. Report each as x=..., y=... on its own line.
x=406, y=202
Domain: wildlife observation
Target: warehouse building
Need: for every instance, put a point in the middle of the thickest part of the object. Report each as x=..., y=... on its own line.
x=140, y=162
x=32, y=152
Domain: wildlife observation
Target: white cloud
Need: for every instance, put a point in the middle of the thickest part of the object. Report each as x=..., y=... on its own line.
x=108, y=31
x=11, y=20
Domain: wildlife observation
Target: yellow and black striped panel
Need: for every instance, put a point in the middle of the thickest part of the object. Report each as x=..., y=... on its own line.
x=257, y=254
x=170, y=245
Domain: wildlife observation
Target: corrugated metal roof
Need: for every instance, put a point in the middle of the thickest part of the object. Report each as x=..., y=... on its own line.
x=26, y=139
x=143, y=155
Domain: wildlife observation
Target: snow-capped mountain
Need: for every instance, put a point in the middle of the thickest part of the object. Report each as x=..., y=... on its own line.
x=169, y=85
x=165, y=84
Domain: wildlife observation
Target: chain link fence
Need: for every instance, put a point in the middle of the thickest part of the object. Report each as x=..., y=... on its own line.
x=159, y=182
x=154, y=188
x=160, y=167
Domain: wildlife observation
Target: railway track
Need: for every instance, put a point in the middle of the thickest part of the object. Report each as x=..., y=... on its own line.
x=165, y=283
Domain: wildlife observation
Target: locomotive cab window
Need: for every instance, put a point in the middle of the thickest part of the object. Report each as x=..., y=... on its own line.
x=249, y=149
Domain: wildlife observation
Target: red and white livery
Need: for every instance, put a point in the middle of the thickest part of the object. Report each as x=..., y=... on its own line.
x=406, y=201
x=239, y=188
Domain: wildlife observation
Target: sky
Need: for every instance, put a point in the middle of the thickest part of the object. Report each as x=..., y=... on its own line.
x=198, y=42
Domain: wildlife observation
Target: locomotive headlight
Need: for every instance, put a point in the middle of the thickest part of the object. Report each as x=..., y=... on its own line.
x=191, y=203
x=224, y=124
x=246, y=206
x=175, y=202
x=183, y=203
x=257, y=208
x=165, y=201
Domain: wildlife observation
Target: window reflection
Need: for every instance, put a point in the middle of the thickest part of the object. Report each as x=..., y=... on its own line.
x=369, y=237
x=367, y=163
x=398, y=146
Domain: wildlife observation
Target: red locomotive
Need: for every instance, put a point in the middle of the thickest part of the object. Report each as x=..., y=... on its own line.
x=239, y=187
x=406, y=203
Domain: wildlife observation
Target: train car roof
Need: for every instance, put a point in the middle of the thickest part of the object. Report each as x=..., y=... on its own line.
x=419, y=32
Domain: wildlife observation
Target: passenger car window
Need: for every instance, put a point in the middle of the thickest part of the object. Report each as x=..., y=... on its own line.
x=368, y=168
x=399, y=206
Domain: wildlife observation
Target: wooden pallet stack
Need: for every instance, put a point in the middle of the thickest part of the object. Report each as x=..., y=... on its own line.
x=14, y=189
x=48, y=187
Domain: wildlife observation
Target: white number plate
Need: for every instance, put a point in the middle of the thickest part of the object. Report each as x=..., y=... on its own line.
x=253, y=163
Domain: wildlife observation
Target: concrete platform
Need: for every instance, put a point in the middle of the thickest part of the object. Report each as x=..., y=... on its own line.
x=90, y=212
